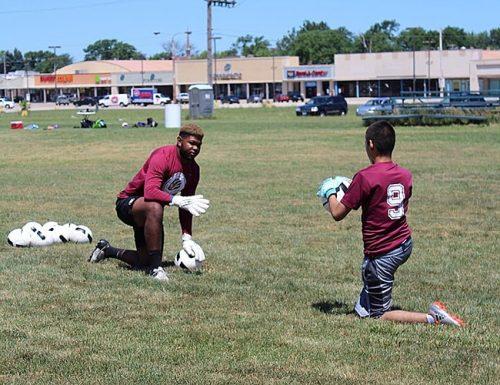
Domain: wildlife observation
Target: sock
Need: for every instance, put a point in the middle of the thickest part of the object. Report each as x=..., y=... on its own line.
x=111, y=252
x=154, y=258
x=430, y=319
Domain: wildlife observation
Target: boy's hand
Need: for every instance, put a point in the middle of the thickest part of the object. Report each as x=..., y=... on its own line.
x=328, y=187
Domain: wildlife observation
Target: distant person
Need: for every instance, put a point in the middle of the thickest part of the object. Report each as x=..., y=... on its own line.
x=169, y=170
x=382, y=190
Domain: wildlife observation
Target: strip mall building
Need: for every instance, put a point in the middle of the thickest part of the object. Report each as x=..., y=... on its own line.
x=353, y=75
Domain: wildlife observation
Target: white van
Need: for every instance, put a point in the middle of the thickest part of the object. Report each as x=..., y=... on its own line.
x=121, y=100
x=161, y=99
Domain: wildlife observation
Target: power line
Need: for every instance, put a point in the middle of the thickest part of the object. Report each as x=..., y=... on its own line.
x=64, y=8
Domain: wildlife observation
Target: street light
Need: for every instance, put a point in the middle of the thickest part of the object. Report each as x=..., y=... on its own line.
x=55, y=47
x=215, y=38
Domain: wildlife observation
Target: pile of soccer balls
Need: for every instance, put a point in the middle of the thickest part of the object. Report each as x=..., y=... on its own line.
x=33, y=234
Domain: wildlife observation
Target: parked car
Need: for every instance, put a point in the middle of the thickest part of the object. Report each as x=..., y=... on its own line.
x=6, y=103
x=62, y=100
x=323, y=105
x=18, y=98
x=231, y=99
x=376, y=106
x=85, y=101
x=182, y=97
x=295, y=96
x=467, y=101
x=281, y=98
x=254, y=98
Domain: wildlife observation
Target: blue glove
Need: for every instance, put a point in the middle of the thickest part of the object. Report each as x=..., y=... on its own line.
x=328, y=187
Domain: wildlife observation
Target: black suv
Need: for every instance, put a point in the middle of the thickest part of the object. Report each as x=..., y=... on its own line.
x=230, y=99
x=85, y=101
x=323, y=105
x=295, y=96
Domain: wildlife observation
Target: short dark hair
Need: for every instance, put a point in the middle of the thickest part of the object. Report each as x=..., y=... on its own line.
x=191, y=129
x=382, y=135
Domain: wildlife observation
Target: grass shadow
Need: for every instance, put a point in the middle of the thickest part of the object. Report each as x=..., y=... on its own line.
x=335, y=307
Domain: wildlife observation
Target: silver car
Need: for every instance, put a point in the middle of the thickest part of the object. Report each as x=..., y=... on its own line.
x=377, y=106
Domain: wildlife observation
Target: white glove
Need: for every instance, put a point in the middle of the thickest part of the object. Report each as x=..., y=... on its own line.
x=192, y=248
x=195, y=204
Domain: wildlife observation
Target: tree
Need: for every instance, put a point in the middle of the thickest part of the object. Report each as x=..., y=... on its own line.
x=251, y=46
x=108, y=49
x=495, y=38
x=316, y=43
x=454, y=37
x=14, y=60
x=380, y=37
x=416, y=39
x=285, y=44
x=43, y=61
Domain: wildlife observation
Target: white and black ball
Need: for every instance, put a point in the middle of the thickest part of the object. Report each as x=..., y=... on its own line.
x=16, y=239
x=37, y=235
x=186, y=261
x=80, y=234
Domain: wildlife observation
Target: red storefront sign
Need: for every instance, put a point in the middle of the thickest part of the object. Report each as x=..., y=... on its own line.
x=52, y=78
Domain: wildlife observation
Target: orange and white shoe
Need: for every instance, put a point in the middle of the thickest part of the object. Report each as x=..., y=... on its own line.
x=441, y=316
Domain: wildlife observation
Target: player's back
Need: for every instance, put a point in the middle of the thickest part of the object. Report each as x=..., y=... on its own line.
x=383, y=191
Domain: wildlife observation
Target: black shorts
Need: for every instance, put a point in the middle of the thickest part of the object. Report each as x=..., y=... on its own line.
x=124, y=210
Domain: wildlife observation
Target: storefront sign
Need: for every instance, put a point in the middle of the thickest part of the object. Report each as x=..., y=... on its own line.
x=52, y=78
x=102, y=79
x=308, y=73
x=136, y=78
x=229, y=76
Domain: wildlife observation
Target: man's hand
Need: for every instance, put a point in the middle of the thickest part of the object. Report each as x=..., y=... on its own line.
x=192, y=248
x=195, y=204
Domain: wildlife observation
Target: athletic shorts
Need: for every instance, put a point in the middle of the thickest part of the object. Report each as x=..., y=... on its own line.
x=378, y=279
x=124, y=210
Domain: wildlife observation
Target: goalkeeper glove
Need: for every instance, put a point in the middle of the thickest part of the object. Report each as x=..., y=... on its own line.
x=328, y=187
x=195, y=204
x=192, y=248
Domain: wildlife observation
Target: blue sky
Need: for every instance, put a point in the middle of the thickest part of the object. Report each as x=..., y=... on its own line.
x=74, y=24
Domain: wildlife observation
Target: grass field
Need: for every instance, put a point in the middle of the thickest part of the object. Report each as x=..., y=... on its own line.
x=273, y=305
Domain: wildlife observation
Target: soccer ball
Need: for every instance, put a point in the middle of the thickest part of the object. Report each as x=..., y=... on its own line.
x=80, y=234
x=187, y=262
x=344, y=183
x=16, y=239
x=36, y=234
x=57, y=232
x=65, y=230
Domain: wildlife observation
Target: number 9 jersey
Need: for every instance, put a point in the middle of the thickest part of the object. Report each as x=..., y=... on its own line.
x=382, y=190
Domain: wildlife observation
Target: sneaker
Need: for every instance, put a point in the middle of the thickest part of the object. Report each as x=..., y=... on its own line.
x=441, y=316
x=99, y=252
x=159, y=274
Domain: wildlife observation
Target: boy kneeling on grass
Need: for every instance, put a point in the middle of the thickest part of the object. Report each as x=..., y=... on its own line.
x=383, y=190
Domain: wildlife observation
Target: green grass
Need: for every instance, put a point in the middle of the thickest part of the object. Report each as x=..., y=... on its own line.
x=273, y=305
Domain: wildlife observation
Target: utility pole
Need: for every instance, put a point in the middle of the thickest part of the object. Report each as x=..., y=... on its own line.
x=221, y=3
x=441, y=78
x=55, y=47
x=188, y=47
x=215, y=38
x=428, y=42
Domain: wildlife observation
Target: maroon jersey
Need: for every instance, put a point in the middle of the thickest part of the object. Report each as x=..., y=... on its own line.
x=164, y=174
x=165, y=169
x=382, y=190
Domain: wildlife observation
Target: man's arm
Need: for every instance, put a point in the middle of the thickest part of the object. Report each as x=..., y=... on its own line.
x=337, y=209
